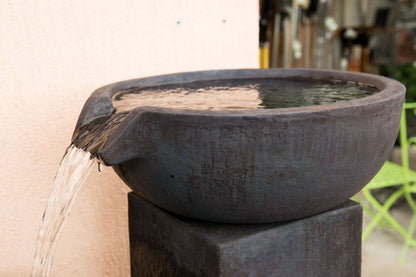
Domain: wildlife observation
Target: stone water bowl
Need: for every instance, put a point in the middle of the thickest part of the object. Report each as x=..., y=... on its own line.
x=249, y=166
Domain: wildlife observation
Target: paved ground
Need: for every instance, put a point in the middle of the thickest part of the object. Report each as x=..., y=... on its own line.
x=382, y=249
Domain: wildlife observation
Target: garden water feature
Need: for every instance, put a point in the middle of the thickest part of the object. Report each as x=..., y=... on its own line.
x=211, y=145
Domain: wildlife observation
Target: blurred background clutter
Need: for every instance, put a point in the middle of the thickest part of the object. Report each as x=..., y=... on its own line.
x=376, y=36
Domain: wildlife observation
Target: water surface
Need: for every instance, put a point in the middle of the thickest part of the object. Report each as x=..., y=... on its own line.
x=267, y=93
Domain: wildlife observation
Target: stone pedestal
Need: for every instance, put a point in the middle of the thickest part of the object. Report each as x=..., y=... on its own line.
x=163, y=244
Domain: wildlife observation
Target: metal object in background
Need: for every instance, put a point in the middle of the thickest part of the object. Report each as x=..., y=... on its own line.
x=276, y=36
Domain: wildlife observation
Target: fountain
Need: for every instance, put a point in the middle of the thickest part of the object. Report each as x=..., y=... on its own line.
x=246, y=165
x=203, y=175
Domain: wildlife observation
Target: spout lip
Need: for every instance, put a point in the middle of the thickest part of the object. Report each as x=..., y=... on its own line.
x=97, y=105
x=131, y=139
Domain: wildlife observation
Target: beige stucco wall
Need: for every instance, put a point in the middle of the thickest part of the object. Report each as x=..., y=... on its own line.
x=53, y=54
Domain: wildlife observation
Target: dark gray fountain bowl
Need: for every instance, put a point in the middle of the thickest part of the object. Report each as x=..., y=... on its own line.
x=251, y=166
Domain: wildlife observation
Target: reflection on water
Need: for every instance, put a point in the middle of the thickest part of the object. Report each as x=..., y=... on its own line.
x=242, y=94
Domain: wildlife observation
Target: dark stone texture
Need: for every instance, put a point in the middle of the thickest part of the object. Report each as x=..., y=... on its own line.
x=163, y=244
x=249, y=166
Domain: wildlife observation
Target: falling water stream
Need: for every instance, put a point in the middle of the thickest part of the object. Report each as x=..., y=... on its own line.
x=74, y=169
x=208, y=95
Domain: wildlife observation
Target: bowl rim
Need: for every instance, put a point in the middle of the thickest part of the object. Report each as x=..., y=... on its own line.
x=99, y=105
x=389, y=89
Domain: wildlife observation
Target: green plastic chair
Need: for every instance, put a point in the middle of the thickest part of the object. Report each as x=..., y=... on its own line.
x=403, y=181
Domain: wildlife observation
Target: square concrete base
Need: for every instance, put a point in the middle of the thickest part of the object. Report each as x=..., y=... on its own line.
x=163, y=244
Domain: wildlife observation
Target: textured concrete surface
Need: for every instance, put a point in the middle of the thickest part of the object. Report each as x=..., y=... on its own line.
x=162, y=244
